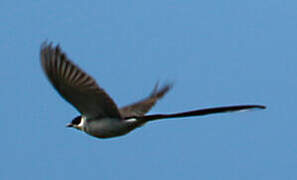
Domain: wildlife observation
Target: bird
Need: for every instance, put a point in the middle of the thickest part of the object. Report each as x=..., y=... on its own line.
x=99, y=116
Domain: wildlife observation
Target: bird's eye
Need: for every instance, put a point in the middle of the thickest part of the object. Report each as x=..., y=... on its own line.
x=76, y=120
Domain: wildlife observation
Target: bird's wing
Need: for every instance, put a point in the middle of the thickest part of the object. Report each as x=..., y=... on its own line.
x=76, y=86
x=142, y=107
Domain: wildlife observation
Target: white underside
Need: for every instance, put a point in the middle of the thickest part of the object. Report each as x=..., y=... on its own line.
x=131, y=120
x=82, y=123
x=107, y=127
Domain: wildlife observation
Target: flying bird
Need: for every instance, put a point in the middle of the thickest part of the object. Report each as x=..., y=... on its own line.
x=100, y=117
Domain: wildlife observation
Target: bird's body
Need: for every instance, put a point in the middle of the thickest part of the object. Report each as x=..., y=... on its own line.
x=100, y=116
x=109, y=127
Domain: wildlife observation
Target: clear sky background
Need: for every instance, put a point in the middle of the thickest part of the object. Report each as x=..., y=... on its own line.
x=217, y=53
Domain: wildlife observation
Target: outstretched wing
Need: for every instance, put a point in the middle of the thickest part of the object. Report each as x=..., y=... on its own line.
x=142, y=107
x=76, y=86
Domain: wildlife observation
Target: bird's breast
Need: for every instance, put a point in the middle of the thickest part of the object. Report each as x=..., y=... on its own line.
x=107, y=127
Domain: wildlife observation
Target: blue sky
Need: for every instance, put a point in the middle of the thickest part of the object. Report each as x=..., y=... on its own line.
x=217, y=53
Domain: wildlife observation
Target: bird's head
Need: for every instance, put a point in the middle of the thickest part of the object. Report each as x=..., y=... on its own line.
x=77, y=123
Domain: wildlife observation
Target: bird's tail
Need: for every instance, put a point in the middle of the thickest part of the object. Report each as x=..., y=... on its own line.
x=199, y=112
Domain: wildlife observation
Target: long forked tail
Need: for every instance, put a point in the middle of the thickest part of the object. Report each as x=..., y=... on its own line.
x=199, y=112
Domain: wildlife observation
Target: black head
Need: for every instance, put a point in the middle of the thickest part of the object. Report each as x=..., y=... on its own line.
x=75, y=122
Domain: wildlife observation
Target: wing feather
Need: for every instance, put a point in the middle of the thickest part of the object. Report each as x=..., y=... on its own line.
x=76, y=86
x=142, y=107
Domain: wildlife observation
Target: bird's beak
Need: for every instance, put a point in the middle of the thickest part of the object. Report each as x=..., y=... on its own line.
x=69, y=125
